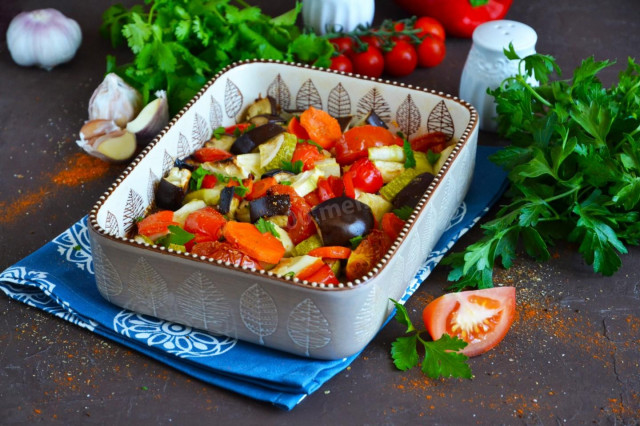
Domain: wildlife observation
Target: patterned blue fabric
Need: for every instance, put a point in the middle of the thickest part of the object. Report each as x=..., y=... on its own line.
x=59, y=279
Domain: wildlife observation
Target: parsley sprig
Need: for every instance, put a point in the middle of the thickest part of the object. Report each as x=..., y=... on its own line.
x=179, y=45
x=441, y=357
x=574, y=169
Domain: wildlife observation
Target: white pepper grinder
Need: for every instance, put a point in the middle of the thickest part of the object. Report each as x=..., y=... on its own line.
x=486, y=66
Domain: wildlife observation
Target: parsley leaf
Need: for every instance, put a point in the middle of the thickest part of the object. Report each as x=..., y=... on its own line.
x=179, y=236
x=265, y=226
x=197, y=176
x=410, y=161
x=441, y=357
x=355, y=241
x=403, y=212
x=295, y=167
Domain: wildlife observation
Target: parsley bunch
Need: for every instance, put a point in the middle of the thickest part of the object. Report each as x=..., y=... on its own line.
x=574, y=169
x=178, y=45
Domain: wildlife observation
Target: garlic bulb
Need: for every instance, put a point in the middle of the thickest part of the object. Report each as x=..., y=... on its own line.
x=43, y=37
x=115, y=100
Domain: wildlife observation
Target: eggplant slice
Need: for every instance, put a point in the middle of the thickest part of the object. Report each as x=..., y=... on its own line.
x=342, y=218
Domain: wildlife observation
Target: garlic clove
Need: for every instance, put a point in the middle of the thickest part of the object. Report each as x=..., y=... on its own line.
x=151, y=120
x=99, y=127
x=116, y=146
x=115, y=100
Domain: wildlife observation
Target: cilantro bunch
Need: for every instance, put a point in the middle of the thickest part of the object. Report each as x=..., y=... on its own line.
x=178, y=45
x=574, y=169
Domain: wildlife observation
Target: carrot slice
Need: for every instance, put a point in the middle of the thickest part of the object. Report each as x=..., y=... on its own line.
x=322, y=128
x=247, y=238
x=331, y=252
x=261, y=187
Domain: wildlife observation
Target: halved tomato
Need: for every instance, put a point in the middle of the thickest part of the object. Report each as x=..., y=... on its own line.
x=225, y=252
x=479, y=317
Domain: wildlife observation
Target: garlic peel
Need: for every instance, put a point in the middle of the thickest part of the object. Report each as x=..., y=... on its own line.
x=151, y=120
x=43, y=37
x=115, y=100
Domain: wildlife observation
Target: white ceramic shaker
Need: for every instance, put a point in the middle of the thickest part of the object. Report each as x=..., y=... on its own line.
x=486, y=66
x=343, y=15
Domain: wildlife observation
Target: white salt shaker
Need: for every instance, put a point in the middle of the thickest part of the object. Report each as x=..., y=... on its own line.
x=486, y=65
x=343, y=15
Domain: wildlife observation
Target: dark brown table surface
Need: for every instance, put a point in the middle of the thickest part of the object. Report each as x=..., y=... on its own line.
x=571, y=357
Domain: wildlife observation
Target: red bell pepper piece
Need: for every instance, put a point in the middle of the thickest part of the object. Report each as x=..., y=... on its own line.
x=458, y=17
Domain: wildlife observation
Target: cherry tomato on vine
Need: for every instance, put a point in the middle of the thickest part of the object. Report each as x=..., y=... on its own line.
x=399, y=26
x=371, y=40
x=479, y=317
x=369, y=63
x=341, y=63
x=343, y=45
x=429, y=25
x=401, y=60
x=431, y=52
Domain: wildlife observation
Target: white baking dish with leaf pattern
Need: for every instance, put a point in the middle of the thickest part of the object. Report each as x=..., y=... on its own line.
x=309, y=319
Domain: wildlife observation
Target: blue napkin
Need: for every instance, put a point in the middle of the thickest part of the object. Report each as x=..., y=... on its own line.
x=59, y=278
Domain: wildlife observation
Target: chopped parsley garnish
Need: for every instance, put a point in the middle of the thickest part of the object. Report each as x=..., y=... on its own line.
x=403, y=212
x=295, y=168
x=265, y=226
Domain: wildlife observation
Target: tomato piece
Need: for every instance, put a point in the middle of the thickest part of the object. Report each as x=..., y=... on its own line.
x=248, y=239
x=198, y=239
x=434, y=141
x=321, y=127
x=156, y=225
x=365, y=176
x=429, y=26
x=392, y=225
x=368, y=253
x=294, y=127
x=225, y=252
x=341, y=63
x=343, y=45
x=479, y=317
x=431, y=52
x=261, y=187
x=401, y=60
x=308, y=154
x=399, y=26
x=325, y=190
x=207, y=221
x=331, y=252
x=349, y=189
x=209, y=181
x=355, y=142
x=312, y=198
x=211, y=154
x=369, y=62
x=323, y=275
x=337, y=186
x=300, y=225
x=310, y=270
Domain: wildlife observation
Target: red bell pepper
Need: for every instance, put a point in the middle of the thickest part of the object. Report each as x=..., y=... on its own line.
x=459, y=17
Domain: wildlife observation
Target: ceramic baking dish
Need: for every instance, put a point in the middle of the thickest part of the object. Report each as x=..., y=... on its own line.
x=308, y=319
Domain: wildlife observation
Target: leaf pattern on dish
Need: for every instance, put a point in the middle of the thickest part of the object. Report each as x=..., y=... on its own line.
x=374, y=101
x=440, y=120
x=279, y=90
x=107, y=278
x=307, y=327
x=133, y=209
x=147, y=287
x=308, y=96
x=111, y=224
x=215, y=114
x=408, y=116
x=232, y=99
x=339, y=103
x=258, y=312
x=204, y=304
x=199, y=135
x=363, y=322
